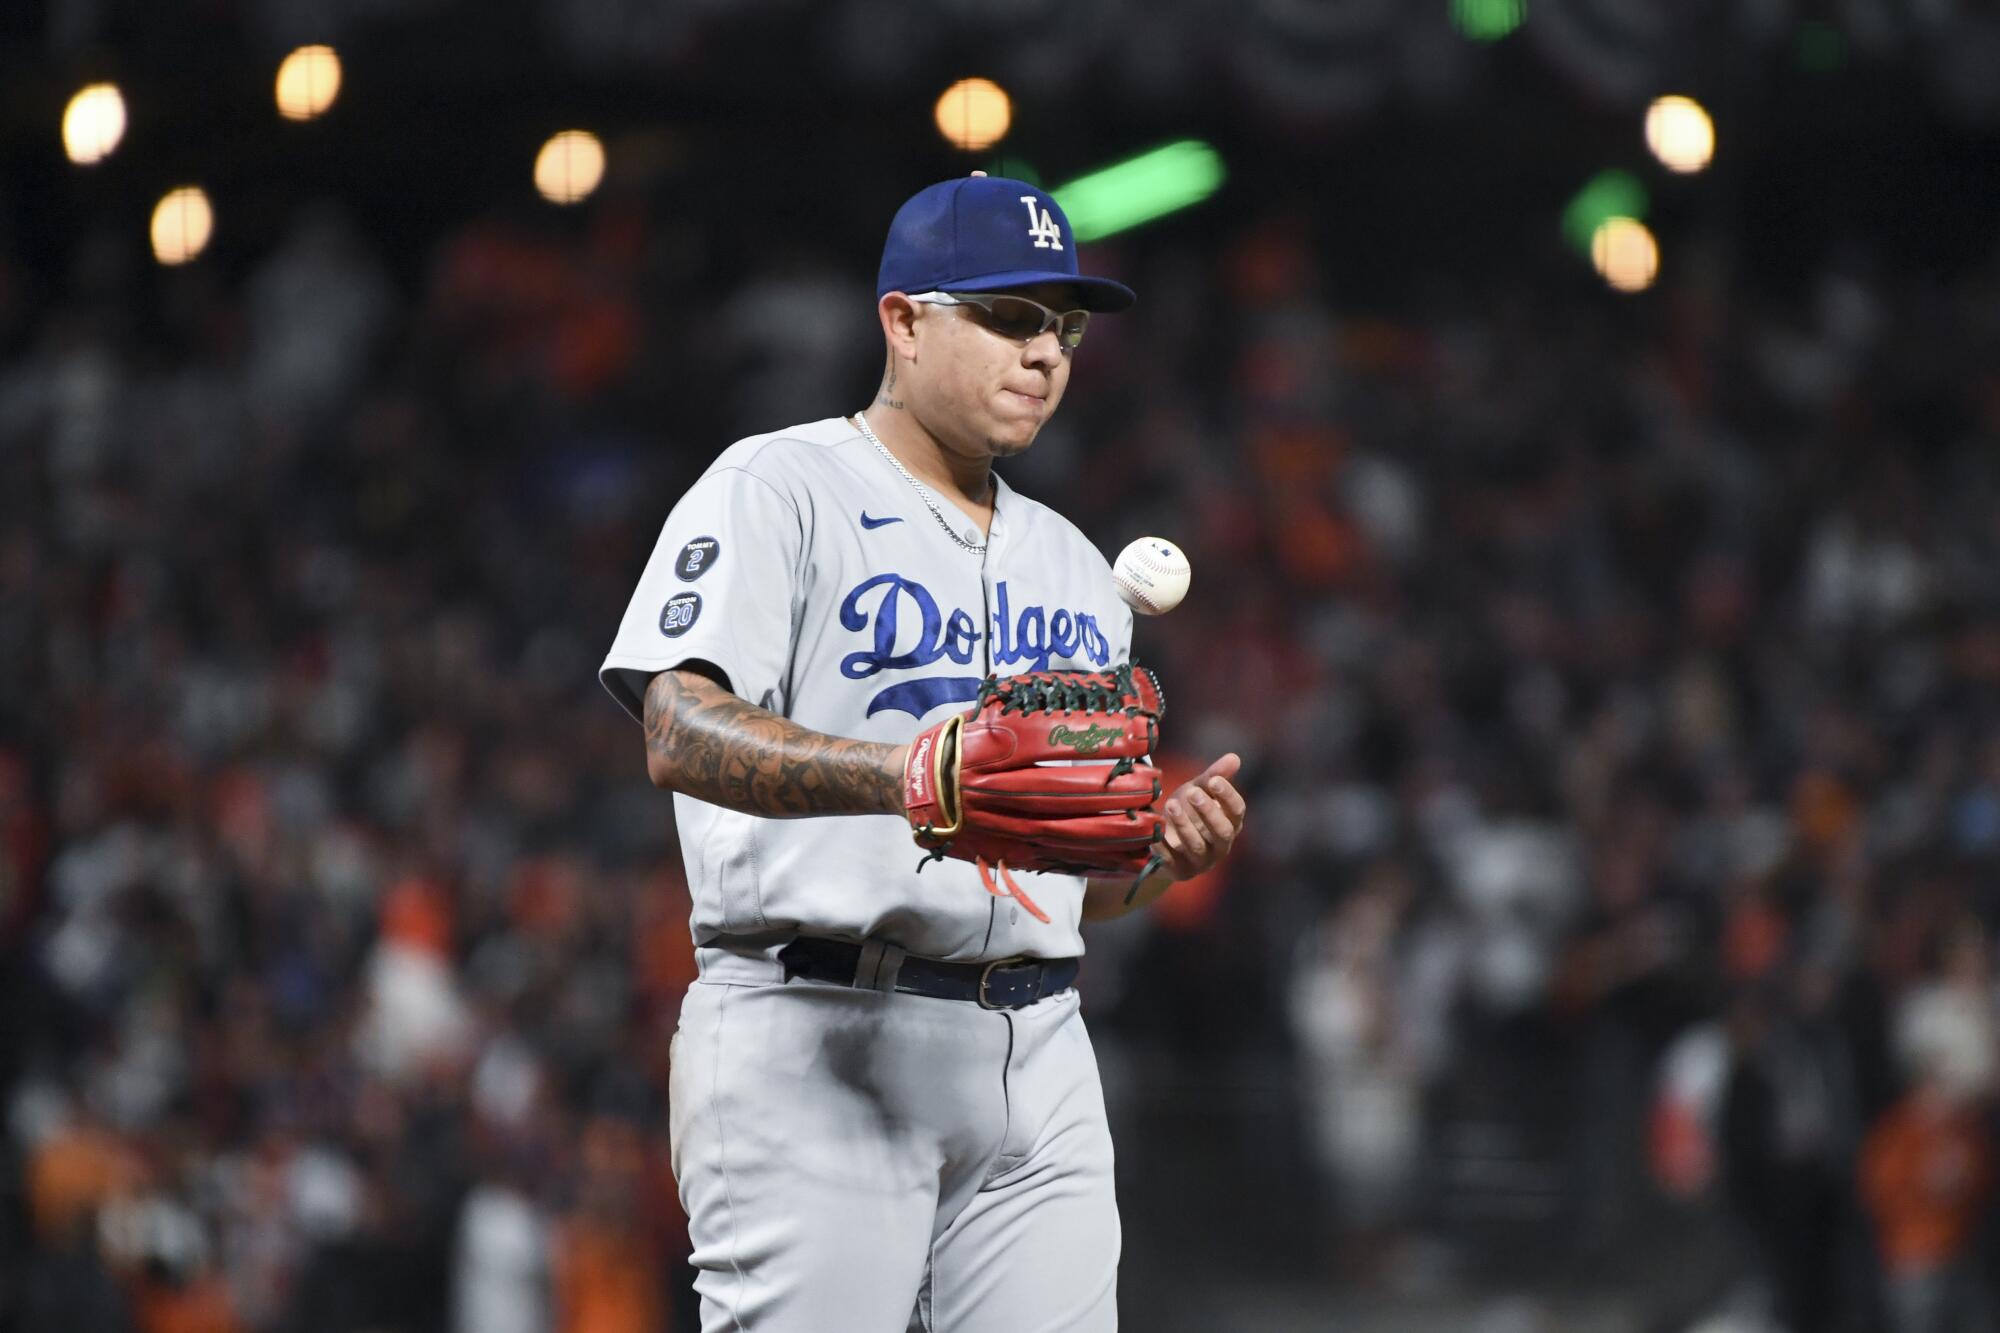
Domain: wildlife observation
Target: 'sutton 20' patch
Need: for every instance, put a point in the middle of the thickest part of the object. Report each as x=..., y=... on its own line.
x=677, y=617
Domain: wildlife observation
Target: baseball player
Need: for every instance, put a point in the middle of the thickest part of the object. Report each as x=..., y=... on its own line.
x=886, y=1113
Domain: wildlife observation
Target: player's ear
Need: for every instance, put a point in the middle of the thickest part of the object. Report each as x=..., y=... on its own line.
x=898, y=314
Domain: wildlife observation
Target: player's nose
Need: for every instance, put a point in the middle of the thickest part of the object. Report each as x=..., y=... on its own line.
x=1044, y=349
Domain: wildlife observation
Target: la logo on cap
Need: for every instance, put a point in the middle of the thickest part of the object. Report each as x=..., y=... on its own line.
x=1048, y=236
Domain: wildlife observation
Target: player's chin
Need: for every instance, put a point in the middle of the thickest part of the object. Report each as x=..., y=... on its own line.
x=1011, y=439
x=1019, y=419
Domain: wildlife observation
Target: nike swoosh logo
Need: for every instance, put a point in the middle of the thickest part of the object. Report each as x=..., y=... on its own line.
x=868, y=522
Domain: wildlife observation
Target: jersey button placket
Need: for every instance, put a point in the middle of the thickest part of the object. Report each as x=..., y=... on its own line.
x=989, y=575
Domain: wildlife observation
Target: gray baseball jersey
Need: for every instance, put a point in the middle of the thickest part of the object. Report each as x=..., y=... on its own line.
x=808, y=569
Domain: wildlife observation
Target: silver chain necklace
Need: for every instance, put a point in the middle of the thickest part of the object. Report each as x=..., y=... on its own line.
x=977, y=548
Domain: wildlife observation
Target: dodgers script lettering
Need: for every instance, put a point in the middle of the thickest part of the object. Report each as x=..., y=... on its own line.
x=906, y=630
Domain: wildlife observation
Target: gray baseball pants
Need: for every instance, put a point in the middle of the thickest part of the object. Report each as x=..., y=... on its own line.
x=855, y=1161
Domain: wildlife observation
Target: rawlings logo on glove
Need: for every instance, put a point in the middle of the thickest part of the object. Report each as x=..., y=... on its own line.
x=1001, y=786
x=1086, y=742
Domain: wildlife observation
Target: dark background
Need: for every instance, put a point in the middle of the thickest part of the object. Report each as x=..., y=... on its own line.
x=1618, y=676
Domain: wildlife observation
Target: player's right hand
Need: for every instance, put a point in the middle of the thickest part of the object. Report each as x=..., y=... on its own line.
x=1203, y=817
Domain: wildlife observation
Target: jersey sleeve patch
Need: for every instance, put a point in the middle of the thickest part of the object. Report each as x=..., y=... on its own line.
x=697, y=558
x=677, y=617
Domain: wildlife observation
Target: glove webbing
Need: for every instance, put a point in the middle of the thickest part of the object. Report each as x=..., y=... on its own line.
x=1034, y=693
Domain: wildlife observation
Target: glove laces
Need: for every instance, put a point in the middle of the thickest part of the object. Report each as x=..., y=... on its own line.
x=1100, y=692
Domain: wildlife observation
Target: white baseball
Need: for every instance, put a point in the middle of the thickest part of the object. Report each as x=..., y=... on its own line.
x=1152, y=576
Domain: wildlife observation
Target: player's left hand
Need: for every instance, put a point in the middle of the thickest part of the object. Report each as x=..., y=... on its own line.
x=1203, y=818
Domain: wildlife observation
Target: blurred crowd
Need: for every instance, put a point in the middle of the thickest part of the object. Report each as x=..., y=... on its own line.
x=344, y=938
x=1618, y=683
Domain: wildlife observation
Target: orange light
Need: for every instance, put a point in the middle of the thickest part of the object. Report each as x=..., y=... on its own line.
x=93, y=123
x=183, y=221
x=1680, y=134
x=569, y=167
x=1625, y=253
x=974, y=114
x=308, y=81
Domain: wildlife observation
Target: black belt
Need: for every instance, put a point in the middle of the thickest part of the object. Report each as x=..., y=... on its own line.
x=1004, y=983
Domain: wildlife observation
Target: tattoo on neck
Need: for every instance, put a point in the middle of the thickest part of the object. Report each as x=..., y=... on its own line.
x=888, y=398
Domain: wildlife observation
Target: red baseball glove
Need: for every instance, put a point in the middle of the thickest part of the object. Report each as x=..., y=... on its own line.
x=1049, y=771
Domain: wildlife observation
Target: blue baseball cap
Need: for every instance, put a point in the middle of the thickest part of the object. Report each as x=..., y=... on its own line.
x=982, y=234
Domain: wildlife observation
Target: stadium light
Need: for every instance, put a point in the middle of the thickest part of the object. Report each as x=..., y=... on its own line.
x=93, y=123
x=1625, y=253
x=1487, y=20
x=974, y=114
x=308, y=81
x=1821, y=47
x=1014, y=168
x=182, y=223
x=1680, y=133
x=569, y=167
x=1141, y=188
x=1608, y=194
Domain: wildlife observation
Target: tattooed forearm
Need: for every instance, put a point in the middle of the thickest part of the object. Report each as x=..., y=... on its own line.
x=708, y=743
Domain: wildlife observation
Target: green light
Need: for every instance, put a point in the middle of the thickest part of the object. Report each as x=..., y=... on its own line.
x=1821, y=47
x=1487, y=20
x=1013, y=168
x=1609, y=194
x=1140, y=189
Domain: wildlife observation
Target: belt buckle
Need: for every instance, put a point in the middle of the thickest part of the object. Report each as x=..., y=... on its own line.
x=986, y=976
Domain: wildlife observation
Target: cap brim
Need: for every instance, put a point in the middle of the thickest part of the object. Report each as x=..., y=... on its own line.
x=1101, y=296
